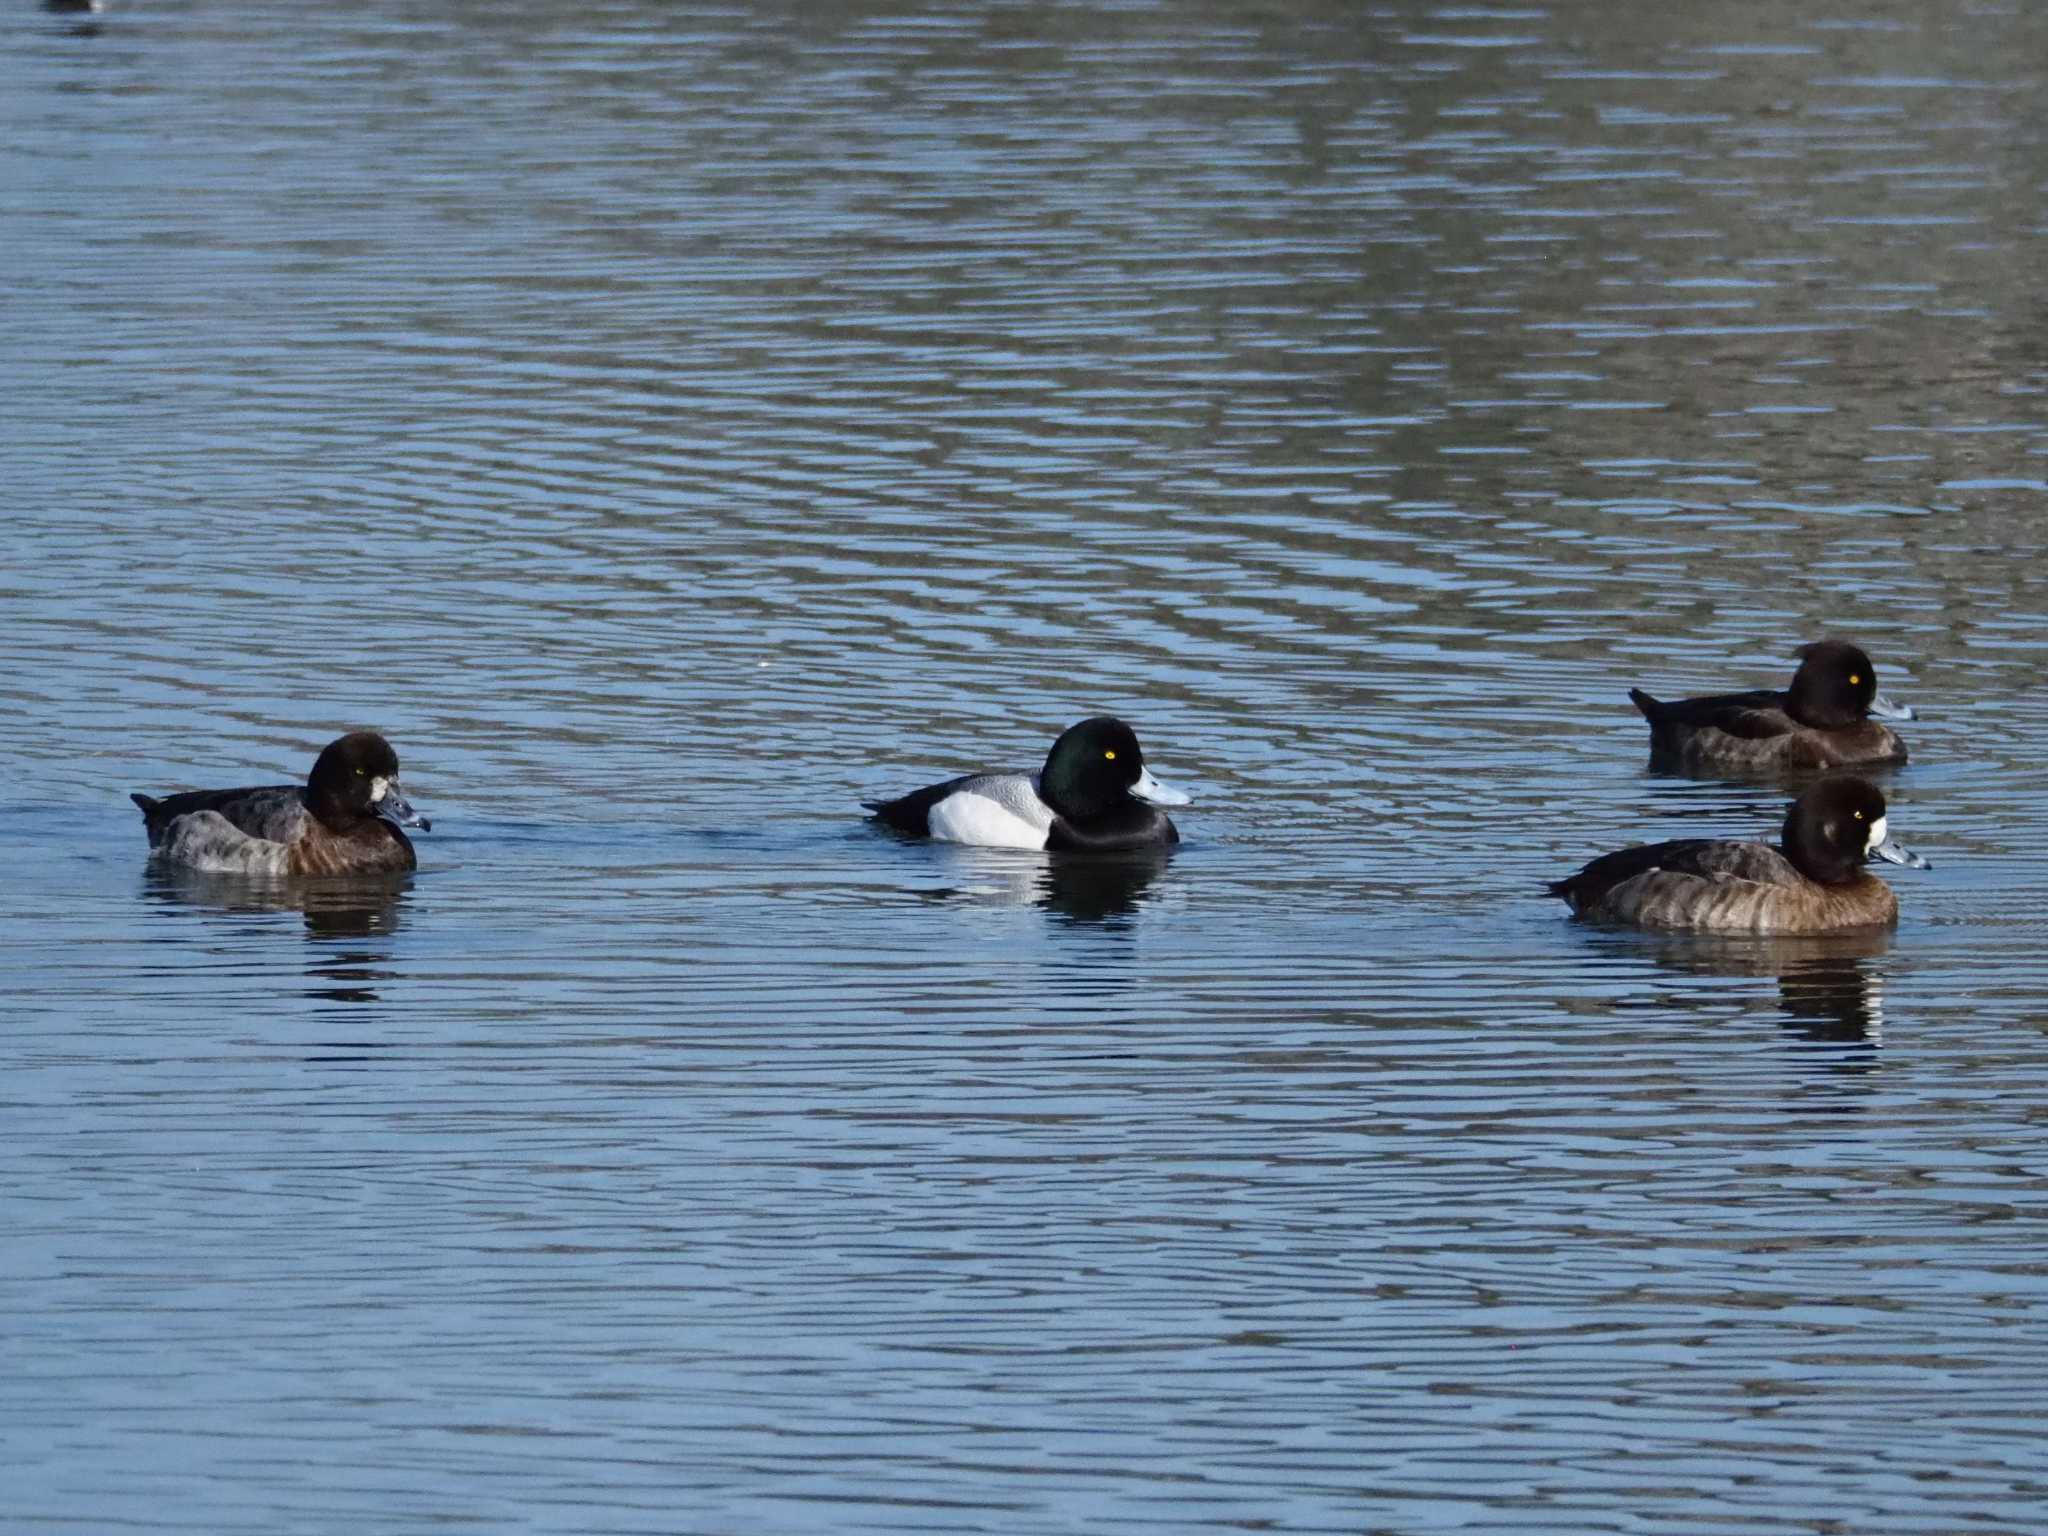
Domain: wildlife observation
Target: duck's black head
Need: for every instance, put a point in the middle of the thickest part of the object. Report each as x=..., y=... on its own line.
x=355, y=779
x=1094, y=765
x=1836, y=686
x=1836, y=827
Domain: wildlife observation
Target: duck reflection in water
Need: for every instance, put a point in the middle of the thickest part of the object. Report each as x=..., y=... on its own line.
x=1106, y=889
x=1829, y=991
x=79, y=15
x=336, y=909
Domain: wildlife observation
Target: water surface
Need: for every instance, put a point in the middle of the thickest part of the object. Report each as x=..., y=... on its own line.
x=675, y=425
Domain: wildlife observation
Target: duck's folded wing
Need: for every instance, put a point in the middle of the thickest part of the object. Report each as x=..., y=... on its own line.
x=1694, y=858
x=907, y=813
x=1015, y=793
x=276, y=813
x=1722, y=861
x=1752, y=724
x=1610, y=869
x=1751, y=716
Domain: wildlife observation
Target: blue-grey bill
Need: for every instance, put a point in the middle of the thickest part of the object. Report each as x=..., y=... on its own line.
x=394, y=807
x=1149, y=788
x=1891, y=709
x=1892, y=851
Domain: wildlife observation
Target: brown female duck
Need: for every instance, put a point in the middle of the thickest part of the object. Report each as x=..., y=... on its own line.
x=345, y=820
x=1823, y=720
x=1812, y=882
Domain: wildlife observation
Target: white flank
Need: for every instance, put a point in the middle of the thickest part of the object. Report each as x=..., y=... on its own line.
x=964, y=817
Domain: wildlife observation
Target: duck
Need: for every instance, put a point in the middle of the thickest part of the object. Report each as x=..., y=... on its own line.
x=1828, y=718
x=345, y=820
x=1812, y=882
x=1094, y=795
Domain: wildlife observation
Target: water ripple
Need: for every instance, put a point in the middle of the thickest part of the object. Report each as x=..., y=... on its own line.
x=673, y=429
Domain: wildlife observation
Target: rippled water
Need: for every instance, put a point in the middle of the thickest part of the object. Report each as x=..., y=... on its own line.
x=672, y=426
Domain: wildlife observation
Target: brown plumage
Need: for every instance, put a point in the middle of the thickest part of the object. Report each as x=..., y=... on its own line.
x=1823, y=720
x=1813, y=882
x=345, y=820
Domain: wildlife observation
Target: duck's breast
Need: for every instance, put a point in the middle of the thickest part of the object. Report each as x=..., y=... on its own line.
x=374, y=847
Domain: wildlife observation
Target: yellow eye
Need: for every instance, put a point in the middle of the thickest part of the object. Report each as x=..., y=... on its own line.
x=1855, y=678
x=1110, y=755
x=1858, y=815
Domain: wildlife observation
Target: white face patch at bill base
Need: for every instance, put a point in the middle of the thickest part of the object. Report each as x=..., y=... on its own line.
x=1877, y=833
x=379, y=788
x=1149, y=788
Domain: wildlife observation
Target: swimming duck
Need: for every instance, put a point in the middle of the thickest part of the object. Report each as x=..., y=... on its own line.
x=344, y=821
x=1824, y=720
x=1812, y=882
x=1094, y=794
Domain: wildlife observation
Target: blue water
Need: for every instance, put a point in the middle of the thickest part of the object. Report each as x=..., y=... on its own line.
x=674, y=426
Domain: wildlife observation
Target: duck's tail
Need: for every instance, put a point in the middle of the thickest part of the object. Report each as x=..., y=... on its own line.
x=1567, y=891
x=1653, y=709
x=152, y=815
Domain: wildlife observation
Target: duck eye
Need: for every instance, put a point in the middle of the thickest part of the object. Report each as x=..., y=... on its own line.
x=1858, y=815
x=1855, y=678
x=1110, y=755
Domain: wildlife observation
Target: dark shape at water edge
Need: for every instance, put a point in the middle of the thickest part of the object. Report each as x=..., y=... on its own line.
x=334, y=907
x=346, y=918
x=1085, y=888
x=1830, y=990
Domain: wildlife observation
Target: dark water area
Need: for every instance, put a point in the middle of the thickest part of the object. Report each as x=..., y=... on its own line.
x=675, y=425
